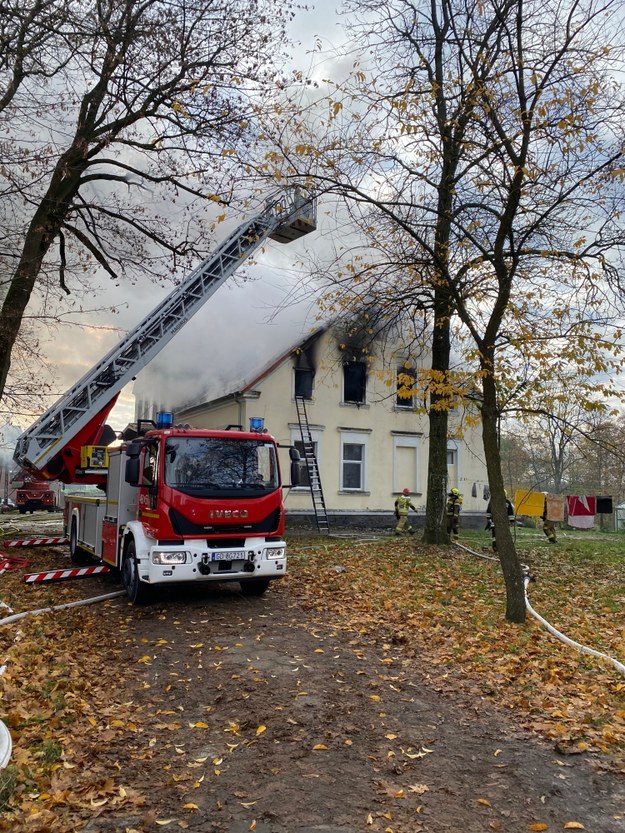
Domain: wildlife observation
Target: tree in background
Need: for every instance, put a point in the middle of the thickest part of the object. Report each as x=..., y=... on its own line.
x=598, y=467
x=118, y=118
x=554, y=419
x=569, y=458
x=481, y=143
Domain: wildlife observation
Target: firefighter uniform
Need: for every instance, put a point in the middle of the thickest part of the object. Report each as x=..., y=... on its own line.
x=454, y=504
x=403, y=505
x=489, y=518
x=548, y=526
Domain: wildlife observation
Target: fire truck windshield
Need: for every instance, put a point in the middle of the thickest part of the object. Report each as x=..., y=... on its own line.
x=205, y=465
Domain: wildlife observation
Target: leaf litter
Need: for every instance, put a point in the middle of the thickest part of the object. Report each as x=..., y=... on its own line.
x=76, y=704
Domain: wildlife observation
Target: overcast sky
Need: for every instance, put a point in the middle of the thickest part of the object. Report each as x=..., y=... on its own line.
x=244, y=324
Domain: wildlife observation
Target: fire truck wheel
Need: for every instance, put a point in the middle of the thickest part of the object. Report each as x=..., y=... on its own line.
x=137, y=591
x=254, y=586
x=76, y=554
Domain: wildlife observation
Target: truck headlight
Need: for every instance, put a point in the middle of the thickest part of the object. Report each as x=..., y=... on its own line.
x=169, y=557
x=275, y=552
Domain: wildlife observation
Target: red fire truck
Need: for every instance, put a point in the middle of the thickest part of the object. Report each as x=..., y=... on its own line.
x=178, y=504
x=184, y=504
x=34, y=496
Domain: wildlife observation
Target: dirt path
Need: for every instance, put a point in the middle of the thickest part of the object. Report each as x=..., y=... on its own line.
x=255, y=717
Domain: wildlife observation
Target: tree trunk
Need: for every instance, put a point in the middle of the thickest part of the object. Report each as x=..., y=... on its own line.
x=44, y=227
x=506, y=551
x=435, y=531
x=17, y=298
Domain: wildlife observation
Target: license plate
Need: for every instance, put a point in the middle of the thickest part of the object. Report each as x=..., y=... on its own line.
x=227, y=556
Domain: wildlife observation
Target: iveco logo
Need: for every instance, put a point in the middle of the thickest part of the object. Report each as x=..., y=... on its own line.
x=228, y=513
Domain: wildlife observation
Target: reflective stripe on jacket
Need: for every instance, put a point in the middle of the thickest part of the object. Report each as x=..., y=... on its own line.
x=403, y=504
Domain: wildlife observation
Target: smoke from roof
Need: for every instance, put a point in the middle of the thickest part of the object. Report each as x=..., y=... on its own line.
x=239, y=330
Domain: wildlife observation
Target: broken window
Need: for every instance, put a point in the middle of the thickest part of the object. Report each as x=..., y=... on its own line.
x=354, y=382
x=304, y=382
x=406, y=378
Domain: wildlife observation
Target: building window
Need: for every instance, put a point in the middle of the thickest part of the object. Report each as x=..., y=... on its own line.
x=354, y=382
x=353, y=466
x=304, y=382
x=452, y=466
x=304, y=477
x=406, y=378
x=296, y=440
x=354, y=461
x=406, y=463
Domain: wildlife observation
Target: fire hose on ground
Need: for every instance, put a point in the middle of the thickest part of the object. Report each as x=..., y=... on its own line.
x=584, y=649
x=5, y=736
x=6, y=744
x=570, y=642
x=17, y=616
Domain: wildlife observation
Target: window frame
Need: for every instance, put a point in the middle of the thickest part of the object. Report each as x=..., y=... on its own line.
x=296, y=437
x=453, y=464
x=363, y=383
x=404, y=403
x=300, y=371
x=407, y=441
x=356, y=438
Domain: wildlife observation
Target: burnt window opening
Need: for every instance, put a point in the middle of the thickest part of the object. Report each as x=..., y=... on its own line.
x=304, y=379
x=406, y=380
x=354, y=382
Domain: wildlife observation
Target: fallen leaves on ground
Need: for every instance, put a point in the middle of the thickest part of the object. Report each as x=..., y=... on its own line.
x=448, y=607
x=63, y=688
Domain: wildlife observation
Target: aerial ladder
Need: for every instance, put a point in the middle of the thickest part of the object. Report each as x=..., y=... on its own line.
x=51, y=447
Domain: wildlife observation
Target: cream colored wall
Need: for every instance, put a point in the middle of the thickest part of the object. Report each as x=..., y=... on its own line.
x=471, y=478
x=379, y=420
x=228, y=413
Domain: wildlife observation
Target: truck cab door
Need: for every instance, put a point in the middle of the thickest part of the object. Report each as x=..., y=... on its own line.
x=149, y=472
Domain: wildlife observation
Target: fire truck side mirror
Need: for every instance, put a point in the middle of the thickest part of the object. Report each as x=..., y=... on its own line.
x=134, y=449
x=295, y=466
x=132, y=471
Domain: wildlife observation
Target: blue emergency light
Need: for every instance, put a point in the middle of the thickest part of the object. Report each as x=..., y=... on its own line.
x=164, y=419
x=257, y=423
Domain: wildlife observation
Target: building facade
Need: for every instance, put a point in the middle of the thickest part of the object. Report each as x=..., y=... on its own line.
x=370, y=441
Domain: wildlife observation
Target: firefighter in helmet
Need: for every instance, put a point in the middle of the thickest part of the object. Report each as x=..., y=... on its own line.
x=489, y=517
x=454, y=504
x=403, y=505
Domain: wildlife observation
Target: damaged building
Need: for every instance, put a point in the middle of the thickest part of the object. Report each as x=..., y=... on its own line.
x=348, y=405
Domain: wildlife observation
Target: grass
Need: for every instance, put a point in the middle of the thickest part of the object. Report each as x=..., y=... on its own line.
x=8, y=783
x=50, y=752
x=448, y=608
